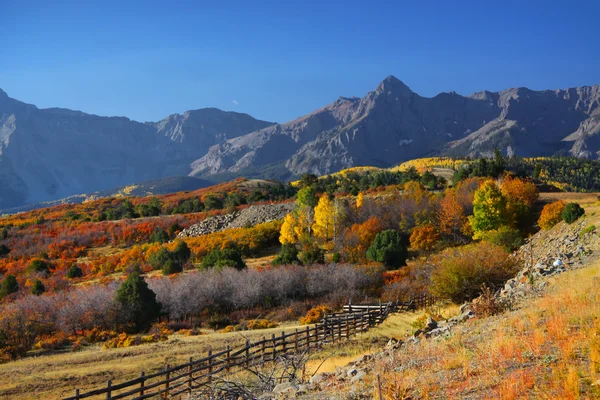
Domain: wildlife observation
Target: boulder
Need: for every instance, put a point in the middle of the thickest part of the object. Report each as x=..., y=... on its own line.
x=358, y=377
x=318, y=378
x=431, y=324
x=285, y=387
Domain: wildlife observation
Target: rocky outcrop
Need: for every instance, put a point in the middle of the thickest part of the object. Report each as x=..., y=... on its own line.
x=249, y=216
x=551, y=252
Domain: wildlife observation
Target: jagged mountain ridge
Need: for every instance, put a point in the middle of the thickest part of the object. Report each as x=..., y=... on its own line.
x=393, y=124
x=47, y=154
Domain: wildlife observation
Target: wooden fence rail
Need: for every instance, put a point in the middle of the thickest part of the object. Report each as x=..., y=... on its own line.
x=182, y=379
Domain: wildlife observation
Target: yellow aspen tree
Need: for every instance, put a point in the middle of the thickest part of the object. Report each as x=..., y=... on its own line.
x=360, y=200
x=288, y=230
x=323, y=228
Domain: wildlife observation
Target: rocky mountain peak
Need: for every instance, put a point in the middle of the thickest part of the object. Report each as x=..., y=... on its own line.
x=394, y=86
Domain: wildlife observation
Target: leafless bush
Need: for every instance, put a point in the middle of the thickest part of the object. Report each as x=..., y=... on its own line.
x=225, y=291
x=256, y=380
x=489, y=304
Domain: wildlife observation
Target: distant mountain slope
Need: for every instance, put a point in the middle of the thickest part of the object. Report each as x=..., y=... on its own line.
x=47, y=154
x=392, y=124
x=56, y=153
x=154, y=187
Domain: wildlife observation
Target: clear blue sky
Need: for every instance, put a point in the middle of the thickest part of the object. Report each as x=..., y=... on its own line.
x=277, y=60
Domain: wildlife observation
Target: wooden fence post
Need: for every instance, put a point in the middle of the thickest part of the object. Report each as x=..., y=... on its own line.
x=339, y=329
x=168, y=374
x=274, y=346
x=108, y=390
x=247, y=353
x=227, y=358
x=264, y=339
x=307, y=337
x=142, y=382
x=283, y=344
x=347, y=328
x=190, y=378
x=76, y=394
x=210, y=365
x=296, y=341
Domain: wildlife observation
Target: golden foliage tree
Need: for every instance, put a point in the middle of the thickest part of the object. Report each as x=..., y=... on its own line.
x=551, y=214
x=451, y=216
x=520, y=195
x=288, y=230
x=360, y=200
x=424, y=237
x=323, y=228
x=359, y=238
x=490, y=210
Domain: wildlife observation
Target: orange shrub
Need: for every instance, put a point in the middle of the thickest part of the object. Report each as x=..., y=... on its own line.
x=551, y=214
x=424, y=237
x=261, y=324
x=359, y=237
x=315, y=315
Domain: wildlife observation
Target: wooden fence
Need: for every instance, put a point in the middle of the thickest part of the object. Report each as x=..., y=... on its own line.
x=176, y=381
x=413, y=303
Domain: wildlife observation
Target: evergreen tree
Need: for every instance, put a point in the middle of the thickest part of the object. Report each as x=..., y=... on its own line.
x=229, y=257
x=74, y=272
x=572, y=212
x=38, y=265
x=389, y=249
x=9, y=285
x=287, y=255
x=4, y=250
x=182, y=253
x=38, y=288
x=159, y=236
x=312, y=254
x=138, y=303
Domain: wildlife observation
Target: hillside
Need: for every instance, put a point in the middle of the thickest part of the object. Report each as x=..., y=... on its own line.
x=543, y=346
x=537, y=347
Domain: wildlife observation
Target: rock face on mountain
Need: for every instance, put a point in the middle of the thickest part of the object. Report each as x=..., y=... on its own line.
x=46, y=154
x=392, y=124
x=55, y=153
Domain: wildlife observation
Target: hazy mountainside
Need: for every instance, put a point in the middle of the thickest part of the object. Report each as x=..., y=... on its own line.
x=154, y=187
x=392, y=124
x=47, y=154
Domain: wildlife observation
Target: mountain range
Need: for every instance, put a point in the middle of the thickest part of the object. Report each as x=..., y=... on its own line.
x=46, y=154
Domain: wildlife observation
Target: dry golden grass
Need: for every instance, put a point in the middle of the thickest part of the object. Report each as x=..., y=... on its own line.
x=398, y=326
x=259, y=262
x=549, y=348
x=581, y=198
x=57, y=375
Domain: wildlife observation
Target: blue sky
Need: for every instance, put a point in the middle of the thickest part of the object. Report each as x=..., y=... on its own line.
x=277, y=60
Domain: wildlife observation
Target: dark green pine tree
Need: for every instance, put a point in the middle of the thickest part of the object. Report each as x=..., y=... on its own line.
x=138, y=303
x=388, y=249
x=38, y=288
x=9, y=285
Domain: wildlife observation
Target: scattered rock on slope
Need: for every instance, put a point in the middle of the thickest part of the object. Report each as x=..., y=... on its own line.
x=250, y=216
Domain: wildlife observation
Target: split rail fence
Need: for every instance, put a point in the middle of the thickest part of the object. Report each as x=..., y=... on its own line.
x=180, y=380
